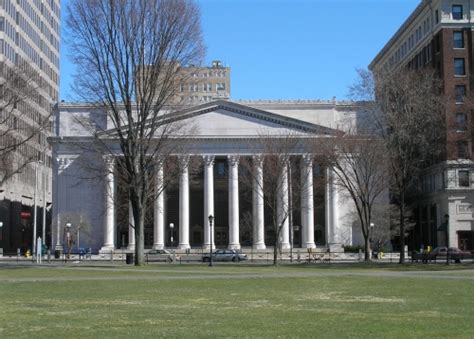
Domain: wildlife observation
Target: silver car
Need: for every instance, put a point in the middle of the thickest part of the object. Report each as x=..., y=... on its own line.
x=225, y=255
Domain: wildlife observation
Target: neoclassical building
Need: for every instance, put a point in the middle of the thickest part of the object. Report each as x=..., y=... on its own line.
x=224, y=133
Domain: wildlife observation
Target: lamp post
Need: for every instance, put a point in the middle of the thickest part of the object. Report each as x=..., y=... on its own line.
x=446, y=219
x=171, y=232
x=35, y=217
x=211, y=219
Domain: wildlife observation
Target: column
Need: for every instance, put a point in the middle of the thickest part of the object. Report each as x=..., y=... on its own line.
x=208, y=199
x=282, y=205
x=159, y=209
x=258, y=205
x=131, y=228
x=183, y=202
x=234, y=202
x=331, y=207
x=307, y=203
x=109, y=225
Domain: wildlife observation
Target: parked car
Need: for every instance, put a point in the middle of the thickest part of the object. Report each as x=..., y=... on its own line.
x=161, y=255
x=225, y=255
x=454, y=254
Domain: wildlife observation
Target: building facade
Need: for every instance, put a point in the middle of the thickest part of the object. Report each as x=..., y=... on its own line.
x=225, y=133
x=439, y=34
x=29, y=41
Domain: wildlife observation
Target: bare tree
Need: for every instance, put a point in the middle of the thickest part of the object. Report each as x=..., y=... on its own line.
x=131, y=57
x=274, y=160
x=406, y=109
x=360, y=170
x=21, y=126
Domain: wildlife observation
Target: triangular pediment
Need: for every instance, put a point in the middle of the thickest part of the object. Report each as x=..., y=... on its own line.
x=223, y=118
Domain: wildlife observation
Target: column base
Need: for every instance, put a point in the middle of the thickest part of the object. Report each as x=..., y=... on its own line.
x=234, y=246
x=158, y=246
x=207, y=246
x=260, y=246
x=106, y=249
x=285, y=246
x=131, y=247
x=309, y=245
x=184, y=246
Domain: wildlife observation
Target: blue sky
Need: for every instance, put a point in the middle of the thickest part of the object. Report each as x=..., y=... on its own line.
x=290, y=49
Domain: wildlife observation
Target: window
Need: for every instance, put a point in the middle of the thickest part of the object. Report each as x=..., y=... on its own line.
x=459, y=68
x=461, y=122
x=460, y=93
x=437, y=16
x=463, y=151
x=457, y=12
x=463, y=177
x=220, y=87
x=458, y=39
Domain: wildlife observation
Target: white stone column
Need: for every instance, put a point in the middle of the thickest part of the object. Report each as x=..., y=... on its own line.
x=109, y=225
x=307, y=201
x=183, y=202
x=282, y=205
x=234, y=202
x=258, y=205
x=208, y=199
x=331, y=207
x=131, y=228
x=159, y=209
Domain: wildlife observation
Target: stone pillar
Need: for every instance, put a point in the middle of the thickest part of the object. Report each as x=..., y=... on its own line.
x=258, y=204
x=234, y=202
x=208, y=199
x=307, y=203
x=131, y=228
x=282, y=205
x=159, y=209
x=183, y=202
x=331, y=207
x=109, y=225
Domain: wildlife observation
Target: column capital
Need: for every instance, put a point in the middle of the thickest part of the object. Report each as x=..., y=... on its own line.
x=258, y=159
x=284, y=159
x=233, y=160
x=109, y=159
x=208, y=160
x=307, y=159
x=184, y=160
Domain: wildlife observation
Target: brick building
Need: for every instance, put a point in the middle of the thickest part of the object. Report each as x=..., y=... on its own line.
x=439, y=34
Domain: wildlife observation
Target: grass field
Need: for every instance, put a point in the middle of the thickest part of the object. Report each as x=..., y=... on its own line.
x=237, y=301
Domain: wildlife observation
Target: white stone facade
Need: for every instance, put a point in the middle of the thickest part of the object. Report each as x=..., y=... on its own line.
x=224, y=132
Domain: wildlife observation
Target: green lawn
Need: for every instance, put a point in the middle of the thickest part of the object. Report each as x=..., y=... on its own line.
x=237, y=301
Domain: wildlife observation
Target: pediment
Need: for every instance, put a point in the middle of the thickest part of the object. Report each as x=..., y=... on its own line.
x=228, y=119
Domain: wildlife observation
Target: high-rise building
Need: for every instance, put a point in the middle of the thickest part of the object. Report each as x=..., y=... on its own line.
x=29, y=48
x=204, y=84
x=439, y=34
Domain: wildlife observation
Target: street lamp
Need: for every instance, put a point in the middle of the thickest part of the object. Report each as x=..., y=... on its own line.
x=446, y=219
x=33, y=248
x=171, y=231
x=211, y=219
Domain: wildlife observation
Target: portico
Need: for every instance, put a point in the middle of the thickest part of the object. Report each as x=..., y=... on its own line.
x=228, y=182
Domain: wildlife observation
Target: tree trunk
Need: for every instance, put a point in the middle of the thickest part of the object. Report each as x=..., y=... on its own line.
x=275, y=254
x=367, y=248
x=402, y=229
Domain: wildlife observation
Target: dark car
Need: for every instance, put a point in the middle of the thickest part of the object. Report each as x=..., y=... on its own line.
x=161, y=255
x=225, y=255
x=454, y=254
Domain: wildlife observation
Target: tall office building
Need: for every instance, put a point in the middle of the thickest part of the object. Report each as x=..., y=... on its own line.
x=204, y=84
x=439, y=34
x=29, y=46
